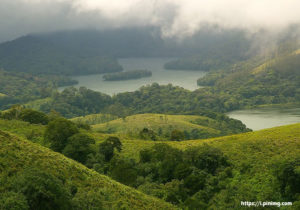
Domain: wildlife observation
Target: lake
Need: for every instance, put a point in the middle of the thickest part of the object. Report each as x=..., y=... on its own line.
x=267, y=117
x=185, y=79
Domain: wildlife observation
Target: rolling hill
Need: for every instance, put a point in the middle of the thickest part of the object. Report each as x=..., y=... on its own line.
x=93, y=191
x=255, y=82
x=256, y=158
x=162, y=125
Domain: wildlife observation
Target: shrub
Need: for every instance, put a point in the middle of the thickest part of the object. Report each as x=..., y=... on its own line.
x=57, y=133
x=42, y=190
x=79, y=147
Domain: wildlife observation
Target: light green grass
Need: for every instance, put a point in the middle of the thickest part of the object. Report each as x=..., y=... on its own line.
x=94, y=119
x=36, y=104
x=132, y=125
x=254, y=157
x=2, y=95
x=17, y=154
x=23, y=129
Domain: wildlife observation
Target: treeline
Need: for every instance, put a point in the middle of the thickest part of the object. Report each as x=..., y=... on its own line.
x=127, y=75
x=23, y=87
x=165, y=99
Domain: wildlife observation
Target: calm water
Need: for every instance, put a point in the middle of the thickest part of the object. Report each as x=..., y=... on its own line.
x=186, y=79
x=267, y=117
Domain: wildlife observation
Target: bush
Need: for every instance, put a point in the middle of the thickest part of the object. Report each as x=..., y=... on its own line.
x=108, y=146
x=177, y=135
x=57, y=133
x=288, y=176
x=42, y=190
x=78, y=147
x=13, y=201
x=124, y=171
x=34, y=117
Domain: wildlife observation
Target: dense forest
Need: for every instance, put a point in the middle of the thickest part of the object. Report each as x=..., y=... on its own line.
x=32, y=54
x=19, y=87
x=127, y=75
x=252, y=83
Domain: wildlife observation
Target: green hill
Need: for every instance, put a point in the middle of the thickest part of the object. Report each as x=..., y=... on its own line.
x=274, y=141
x=93, y=191
x=93, y=119
x=33, y=54
x=253, y=163
x=257, y=159
x=161, y=126
x=255, y=82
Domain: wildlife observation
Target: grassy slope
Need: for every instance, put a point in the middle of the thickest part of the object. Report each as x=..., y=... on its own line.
x=271, y=142
x=94, y=119
x=255, y=153
x=17, y=154
x=135, y=123
x=23, y=129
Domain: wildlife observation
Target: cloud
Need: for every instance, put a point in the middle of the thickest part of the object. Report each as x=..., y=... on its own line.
x=177, y=18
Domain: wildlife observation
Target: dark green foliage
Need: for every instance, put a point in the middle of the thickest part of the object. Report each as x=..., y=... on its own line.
x=288, y=175
x=73, y=102
x=18, y=112
x=195, y=181
x=108, y=147
x=177, y=135
x=13, y=201
x=34, y=117
x=154, y=98
x=32, y=54
x=57, y=133
x=97, y=162
x=42, y=190
x=181, y=175
x=83, y=125
x=255, y=82
x=206, y=158
x=79, y=147
x=23, y=87
x=147, y=134
x=123, y=170
x=127, y=75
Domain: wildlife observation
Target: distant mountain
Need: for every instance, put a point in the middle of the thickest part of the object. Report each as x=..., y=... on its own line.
x=92, y=51
x=34, y=54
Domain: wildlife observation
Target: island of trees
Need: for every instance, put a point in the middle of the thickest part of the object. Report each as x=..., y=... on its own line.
x=127, y=75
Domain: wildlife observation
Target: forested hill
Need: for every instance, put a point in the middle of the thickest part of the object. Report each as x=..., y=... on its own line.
x=257, y=82
x=32, y=54
x=91, y=51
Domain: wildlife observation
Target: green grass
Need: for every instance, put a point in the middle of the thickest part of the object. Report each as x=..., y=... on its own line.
x=94, y=119
x=36, y=104
x=254, y=156
x=23, y=129
x=132, y=125
x=16, y=154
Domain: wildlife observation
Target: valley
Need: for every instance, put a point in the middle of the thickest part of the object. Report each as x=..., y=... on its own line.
x=171, y=112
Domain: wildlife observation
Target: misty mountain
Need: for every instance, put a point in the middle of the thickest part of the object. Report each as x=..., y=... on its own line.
x=92, y=51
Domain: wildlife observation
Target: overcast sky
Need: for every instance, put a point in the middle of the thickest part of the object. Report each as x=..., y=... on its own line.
x=175, y=17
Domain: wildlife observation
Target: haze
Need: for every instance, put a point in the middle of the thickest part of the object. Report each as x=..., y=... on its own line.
x=176, y=18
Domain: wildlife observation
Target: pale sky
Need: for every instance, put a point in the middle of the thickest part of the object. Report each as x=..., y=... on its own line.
x=176, y=18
